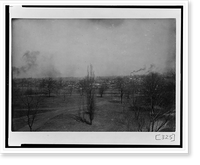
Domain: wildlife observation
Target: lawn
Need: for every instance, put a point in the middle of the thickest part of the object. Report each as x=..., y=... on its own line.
x=106, y=118
x=64, y=110
x=61, y=113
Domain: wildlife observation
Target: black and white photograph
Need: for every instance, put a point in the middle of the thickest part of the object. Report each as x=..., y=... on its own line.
x=95, y=76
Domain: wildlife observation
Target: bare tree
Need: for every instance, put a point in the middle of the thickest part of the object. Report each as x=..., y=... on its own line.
x=133, y=116
x=31, y=101
x=120, y=84
x=86, y=112
x=48, y=85
x=103, y=87
x=159, y=99
x=151, y=102
x=90, y=93
x=59, y=85
x=82, y=86
x=16, y=91
x=135, y=103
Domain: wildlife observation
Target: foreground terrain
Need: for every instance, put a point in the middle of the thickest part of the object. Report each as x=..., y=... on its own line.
x=57, y=114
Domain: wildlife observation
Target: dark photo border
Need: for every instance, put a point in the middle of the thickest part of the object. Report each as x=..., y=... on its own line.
x=7, y=79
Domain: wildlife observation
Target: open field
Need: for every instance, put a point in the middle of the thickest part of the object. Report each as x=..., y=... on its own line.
x=145, y=103
x=57, y=113
x=60, y=115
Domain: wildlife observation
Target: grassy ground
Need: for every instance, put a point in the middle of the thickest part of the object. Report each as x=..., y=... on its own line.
x=60, y=113
x=106, y=118
x=23, y=113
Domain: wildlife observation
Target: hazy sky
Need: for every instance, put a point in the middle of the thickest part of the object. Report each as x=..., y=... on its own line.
x=65, y=47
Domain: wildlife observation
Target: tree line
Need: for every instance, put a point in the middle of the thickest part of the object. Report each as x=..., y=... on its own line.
x=150, y=98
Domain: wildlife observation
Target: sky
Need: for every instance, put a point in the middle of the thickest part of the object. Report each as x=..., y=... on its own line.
x=114, y=47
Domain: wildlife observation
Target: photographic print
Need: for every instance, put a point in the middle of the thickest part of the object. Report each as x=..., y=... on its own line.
x=93, y=75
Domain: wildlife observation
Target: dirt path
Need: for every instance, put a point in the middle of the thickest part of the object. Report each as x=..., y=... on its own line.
x=42, y=118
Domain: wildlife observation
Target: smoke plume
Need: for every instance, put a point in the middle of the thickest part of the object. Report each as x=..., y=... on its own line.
x=30, y=62
x=35, y=65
